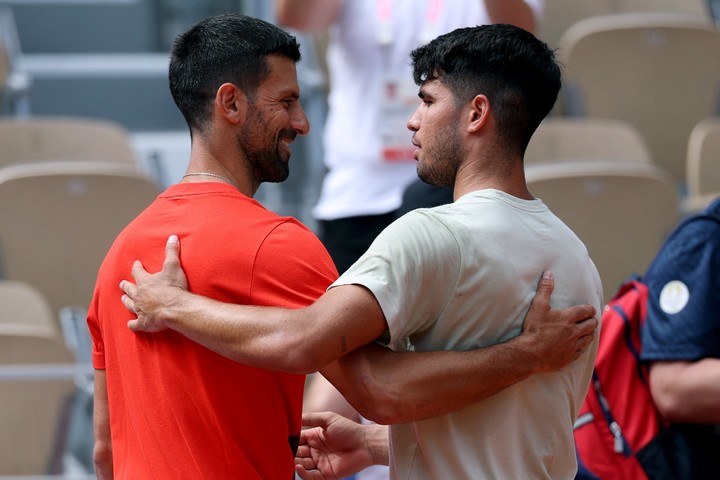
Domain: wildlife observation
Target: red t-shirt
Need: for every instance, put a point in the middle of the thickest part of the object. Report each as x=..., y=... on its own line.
x=178, y=410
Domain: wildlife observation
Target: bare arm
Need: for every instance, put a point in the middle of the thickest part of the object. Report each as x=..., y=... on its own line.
x=514, y=12
x=343, y=320
x=687, y=392
x=322, y=396
x=393, y=387
x=307, y=15
x=102, y=449
x=291, y=340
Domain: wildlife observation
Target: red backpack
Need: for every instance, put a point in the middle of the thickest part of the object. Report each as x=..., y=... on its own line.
x=618, y=418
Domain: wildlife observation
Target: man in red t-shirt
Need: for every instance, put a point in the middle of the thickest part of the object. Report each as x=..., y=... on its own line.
x=196, y=414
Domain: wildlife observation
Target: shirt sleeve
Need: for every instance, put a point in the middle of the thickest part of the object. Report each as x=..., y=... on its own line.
x=412, y=269
x=292, y=268
x=683, y=322
x=98, y=346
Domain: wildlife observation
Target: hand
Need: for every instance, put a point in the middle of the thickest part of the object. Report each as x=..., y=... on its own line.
x=154, y=295
x=333, y=448
x=558, y=337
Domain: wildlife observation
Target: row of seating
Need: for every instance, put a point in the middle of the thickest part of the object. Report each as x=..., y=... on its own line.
x=660, y=73
x=67, y=188
x=82, y=204
x=570, y=139
x=37, y=396
x=559, y=15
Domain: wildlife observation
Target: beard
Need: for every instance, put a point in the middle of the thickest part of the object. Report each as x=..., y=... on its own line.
x=441, y=158
x=262, y=149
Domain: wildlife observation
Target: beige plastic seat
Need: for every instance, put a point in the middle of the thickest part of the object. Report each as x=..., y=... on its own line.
x=563, y=139
x=49, y=138
x=622, y=211
x=33, y=411
x=559, y=15
x=23, y=304
x=703, y=165
x=659, y=72
x=695, y=7
x=58, y=220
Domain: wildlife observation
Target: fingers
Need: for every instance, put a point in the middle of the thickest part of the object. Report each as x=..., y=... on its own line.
x=545, y=287
x=129, y=288
x=134, y=325
x=138, y=271
x=547, y=282
x=308, y=473
x=129, y=303
x=583, y=343
x=587, y=325
x=587, y=329
x=315, y=419
x=580, y=313
x=172, y=253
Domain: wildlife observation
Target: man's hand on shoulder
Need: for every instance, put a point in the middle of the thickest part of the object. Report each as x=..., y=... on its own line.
x=153, y=296
x=556, y=337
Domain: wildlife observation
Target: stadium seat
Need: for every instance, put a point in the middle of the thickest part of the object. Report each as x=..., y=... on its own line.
x=34, y=411
x=58, y=220
x=659, y=72
x=622, y=211
x=703, y=165
x=50, y=138
x=562, y=139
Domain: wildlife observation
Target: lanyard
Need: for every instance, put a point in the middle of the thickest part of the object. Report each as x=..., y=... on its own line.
x=385, y=14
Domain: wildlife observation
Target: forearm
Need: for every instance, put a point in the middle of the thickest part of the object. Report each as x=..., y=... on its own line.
x=396, y=387
x=102, y=446
x=291, y=340
x=514, y=12
x=687, y=392
x=102, y=460
x=377, y=440
x=265, y=337
x=307, y=15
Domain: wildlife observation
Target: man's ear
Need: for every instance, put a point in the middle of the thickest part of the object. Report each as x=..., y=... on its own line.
x=479, y=113
x=231, y=103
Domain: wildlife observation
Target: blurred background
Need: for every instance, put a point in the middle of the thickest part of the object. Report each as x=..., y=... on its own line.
x=632, y=146
x=107, y=59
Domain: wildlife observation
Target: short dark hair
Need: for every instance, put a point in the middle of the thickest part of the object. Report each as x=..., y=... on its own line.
x=228, y=48
x=516, y=71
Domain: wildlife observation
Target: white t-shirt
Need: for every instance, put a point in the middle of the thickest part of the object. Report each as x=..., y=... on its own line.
x=462, y=276
x=361, y=60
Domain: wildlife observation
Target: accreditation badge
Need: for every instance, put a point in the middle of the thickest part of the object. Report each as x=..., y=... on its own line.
x=399, y=100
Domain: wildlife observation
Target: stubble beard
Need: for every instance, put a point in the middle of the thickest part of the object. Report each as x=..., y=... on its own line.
x=262, y=150
x=442, y=158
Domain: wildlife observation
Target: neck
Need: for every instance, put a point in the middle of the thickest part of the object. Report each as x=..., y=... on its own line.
x=216, y=164
x=211, y=175
x=481, y=175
